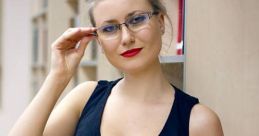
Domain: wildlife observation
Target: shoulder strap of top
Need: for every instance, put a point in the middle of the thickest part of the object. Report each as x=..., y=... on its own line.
x=99, y=94
x=177, y=123
x=98, y=91
x=89, y=121
x=185, y=103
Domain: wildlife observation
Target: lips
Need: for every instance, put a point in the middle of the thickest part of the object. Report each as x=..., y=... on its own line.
x=131, y=52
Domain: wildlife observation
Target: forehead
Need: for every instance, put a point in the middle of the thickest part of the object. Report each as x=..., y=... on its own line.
x=117, y=9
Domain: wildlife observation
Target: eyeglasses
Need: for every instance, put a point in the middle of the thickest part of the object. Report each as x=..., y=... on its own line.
x=134, y=23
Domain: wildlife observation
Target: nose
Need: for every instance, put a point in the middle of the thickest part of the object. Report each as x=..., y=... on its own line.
x=127, y=37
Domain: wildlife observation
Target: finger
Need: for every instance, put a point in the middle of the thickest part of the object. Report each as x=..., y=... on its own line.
x=72, y=36
x=76, y=34
x=83, y=44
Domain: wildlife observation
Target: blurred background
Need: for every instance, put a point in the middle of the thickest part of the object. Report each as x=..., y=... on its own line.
x=216, y=58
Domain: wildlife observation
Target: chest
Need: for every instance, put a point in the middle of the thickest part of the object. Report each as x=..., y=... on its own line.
x=127, y=118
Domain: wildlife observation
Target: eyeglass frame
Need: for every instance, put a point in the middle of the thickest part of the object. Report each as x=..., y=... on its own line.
x=149, y=13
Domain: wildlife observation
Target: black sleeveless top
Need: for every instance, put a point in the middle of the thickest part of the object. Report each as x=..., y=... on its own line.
x=177, y=123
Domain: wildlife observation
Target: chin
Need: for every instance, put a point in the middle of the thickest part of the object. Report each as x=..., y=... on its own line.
x=133, y=70
x=135, y=67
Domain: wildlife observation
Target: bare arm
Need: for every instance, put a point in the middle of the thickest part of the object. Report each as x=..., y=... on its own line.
x=204, y=122
x=64, y=61
x=34, y=118
x=64, y=118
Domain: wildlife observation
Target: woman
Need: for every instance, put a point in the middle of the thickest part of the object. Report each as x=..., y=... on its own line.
x=142, y=103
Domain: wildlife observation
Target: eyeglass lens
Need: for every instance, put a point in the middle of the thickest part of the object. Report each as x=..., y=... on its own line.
x=133, y=23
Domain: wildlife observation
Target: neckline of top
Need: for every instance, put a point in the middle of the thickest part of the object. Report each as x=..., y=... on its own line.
x=109, y=92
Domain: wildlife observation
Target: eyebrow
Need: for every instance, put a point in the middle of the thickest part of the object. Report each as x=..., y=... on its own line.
x=128, y=15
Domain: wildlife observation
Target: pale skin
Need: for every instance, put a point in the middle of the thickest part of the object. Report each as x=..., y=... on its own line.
x=147, y=106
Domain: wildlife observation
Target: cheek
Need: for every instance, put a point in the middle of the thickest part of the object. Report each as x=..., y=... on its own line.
x=108, y=47
x=151, y=36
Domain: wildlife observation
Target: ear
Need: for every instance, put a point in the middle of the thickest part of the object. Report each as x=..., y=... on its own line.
x=161, y=18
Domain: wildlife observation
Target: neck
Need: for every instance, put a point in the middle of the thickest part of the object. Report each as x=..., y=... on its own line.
x=149, y=84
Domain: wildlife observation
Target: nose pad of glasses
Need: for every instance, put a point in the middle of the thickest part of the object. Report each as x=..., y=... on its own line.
x=126, y=28
x=120, y=27
x=127, y=35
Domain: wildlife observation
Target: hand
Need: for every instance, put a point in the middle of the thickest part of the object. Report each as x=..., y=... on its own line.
x=68, y=50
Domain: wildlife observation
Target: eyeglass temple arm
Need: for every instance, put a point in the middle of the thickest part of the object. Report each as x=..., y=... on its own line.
x=92, y=34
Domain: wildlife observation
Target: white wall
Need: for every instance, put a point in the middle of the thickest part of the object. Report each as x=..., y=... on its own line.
x=222, y=61
x=16, y=40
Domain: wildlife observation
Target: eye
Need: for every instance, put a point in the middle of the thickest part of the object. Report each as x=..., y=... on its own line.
x=109, y=28
x=137, y=19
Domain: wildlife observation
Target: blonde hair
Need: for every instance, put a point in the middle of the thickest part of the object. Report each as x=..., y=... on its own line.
x=156, y=5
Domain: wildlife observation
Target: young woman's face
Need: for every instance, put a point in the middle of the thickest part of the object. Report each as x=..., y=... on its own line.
x=133, y=48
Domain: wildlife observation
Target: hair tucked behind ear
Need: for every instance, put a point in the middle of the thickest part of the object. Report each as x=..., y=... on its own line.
x=157, y=5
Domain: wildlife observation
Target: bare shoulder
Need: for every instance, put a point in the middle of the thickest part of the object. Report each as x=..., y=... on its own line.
x=82, y=93
x=64, y=117
x=204, y=122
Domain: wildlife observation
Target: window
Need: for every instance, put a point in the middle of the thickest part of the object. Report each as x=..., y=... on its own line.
x=39, y=45
x=44, y=3
x=35, y=45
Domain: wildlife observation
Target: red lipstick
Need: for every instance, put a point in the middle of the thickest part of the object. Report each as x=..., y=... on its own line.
x=131, y=52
